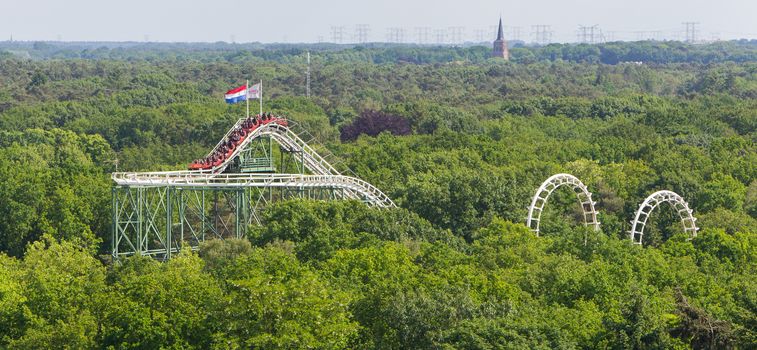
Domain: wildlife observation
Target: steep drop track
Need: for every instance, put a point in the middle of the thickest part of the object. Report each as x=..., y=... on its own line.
x=323, y=174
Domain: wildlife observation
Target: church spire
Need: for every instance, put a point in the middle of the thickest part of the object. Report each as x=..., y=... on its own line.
x=500, y=35
x=500, y=45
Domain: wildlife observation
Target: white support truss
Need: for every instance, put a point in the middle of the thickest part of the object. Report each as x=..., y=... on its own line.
x=324, y=174
x=158, y=213
x=651, y=203
x=359, y=189
x=545, y=190
x=285, y=138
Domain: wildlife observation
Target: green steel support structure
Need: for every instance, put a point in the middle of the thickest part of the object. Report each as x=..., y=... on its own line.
x=158, y=213
x=159, y=221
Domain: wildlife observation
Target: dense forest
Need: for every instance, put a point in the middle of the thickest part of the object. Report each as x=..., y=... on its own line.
x=458, y=140
x=655, y=52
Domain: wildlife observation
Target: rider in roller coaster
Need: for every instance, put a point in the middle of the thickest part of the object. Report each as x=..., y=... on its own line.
x=236, y=137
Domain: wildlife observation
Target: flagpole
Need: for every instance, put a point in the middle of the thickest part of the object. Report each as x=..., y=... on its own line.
x=247, y=97
x=261, y=96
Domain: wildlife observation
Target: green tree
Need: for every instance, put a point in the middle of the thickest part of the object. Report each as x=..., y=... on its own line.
x=274, y=302
x=65, y=289
x=166, y=305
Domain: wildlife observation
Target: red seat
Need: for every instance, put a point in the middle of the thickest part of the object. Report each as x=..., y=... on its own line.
x=244, y=132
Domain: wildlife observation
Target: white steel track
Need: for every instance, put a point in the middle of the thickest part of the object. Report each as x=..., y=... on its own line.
x=677, y=202
x=284, y=137
x=547, y=187
x=364, y=190
x=324, y=174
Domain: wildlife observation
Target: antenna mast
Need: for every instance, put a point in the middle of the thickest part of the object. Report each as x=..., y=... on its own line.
x=307, y=87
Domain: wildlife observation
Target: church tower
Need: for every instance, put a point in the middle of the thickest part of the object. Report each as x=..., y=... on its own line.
x=500, y=45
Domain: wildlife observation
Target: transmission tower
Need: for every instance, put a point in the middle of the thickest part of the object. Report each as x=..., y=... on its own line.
x=395, y=35
x=691, y=31
x=589, y=34
x=361, y=33
x=439, y=36
x=479, y=35
x=422, y=35
x=456, y=34
x=337, y=34
x=516, y=33
x=542, y=33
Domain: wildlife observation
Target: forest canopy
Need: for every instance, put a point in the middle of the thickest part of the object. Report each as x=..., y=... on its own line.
x=458, y=140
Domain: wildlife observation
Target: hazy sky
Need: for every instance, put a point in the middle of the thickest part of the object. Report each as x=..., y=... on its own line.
x=311, y=21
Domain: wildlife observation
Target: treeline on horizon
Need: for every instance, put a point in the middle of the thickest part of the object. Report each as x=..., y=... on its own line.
x=649, y=52
x=460, y=147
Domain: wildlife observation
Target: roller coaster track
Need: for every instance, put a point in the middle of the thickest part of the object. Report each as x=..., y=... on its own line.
x=158, y=213
x=590, y=213
x=550, y=185
x=354, y=188
x=651, y=203
x=286, y=138
x=324, y=174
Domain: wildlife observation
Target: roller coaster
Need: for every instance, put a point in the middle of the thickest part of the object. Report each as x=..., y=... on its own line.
x=590, y=214
x=219, y=196
x=156, y=213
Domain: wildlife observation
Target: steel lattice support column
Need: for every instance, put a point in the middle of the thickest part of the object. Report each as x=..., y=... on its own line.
x=156, y=213
x=159, y=220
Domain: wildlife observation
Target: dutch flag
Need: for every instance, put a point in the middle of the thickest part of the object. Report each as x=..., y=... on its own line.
x=236, y=95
